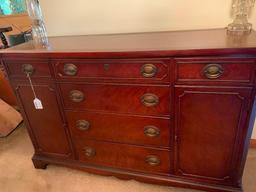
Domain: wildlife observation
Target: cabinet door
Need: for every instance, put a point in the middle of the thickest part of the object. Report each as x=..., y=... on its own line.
x=210, y=125
x=46, y=126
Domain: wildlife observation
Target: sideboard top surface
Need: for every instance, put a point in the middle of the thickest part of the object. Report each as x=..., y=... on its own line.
x=194, y=42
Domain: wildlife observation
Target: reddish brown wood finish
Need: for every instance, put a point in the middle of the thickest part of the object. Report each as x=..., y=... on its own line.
x=15, y=68
x=191, y=70
x=138, y=45
x=115, y=70
x=205, y=124
x=123, y=156
x=170, y=180
x=121, y=128
x=209, y=124
x=46, y=125
x=117, y=98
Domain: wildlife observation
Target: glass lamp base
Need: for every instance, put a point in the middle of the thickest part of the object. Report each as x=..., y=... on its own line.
x=235, y=28
x=240, y=25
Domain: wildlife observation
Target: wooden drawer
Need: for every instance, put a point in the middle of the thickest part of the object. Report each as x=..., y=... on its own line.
x=120, y=128
x=38, y=68
x=215, y=70
x=129, y=157
x=147, y=100
x=153, y=70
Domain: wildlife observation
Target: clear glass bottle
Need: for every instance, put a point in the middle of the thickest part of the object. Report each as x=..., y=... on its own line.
x=38, y=27
x=241, y=10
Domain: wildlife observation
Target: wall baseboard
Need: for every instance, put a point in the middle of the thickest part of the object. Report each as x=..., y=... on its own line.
x=253, y=143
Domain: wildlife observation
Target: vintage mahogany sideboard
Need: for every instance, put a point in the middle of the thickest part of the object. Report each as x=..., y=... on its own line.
x=171, y=108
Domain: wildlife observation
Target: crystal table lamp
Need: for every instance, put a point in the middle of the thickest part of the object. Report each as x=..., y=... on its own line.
x=38, y=27
x=241, y=10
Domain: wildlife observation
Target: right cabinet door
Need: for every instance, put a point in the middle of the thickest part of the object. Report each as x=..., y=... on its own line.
x=211, y=124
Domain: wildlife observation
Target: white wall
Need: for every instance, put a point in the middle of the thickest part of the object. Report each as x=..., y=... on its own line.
x=79, y=17
x=66, y=17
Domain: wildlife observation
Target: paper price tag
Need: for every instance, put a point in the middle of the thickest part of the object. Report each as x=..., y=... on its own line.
x=38, y=103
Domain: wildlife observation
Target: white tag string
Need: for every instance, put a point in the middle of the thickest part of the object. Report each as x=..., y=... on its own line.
x=32, y=86
x=37, y=102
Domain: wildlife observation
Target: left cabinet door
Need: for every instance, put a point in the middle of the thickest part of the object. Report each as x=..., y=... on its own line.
x=46, y=126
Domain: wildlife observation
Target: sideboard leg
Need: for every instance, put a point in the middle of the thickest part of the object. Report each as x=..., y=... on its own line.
x=39, y=164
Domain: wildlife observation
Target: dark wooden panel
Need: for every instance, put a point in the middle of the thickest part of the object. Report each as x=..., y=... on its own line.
x=15, y=67
x=210, y=122
x=123, y=156
x=113, y=70
x=121, y=128
x=46, y=125
x=117, y=98
x=234, y=71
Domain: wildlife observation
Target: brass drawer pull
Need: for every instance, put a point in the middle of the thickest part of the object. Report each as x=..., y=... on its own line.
x=153, y=160
x=76, y=96
x=151, y=131
x=82, y=125
x=213, y=71
x=149, y=100
x=89, y=152
x=28, y=69
x=148, y=70
x=70, y=69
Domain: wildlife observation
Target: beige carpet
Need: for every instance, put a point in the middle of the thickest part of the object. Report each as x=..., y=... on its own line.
x=17, y=173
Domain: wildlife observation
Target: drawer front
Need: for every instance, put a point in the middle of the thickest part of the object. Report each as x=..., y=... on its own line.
x=124, y=156
x=148, y=100
x=120, y=128
x=132, y=70
x=215, y=70
x=36, y=68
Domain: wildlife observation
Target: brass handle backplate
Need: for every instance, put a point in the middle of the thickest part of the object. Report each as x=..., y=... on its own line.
x=89, y=152
x=148, y=70
x=76, y=96
x=28, y=69
x=213, y=71
x=151, y=131
x=149, y=100
x=70, y=69
x=82, y=125
x=153, y=160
